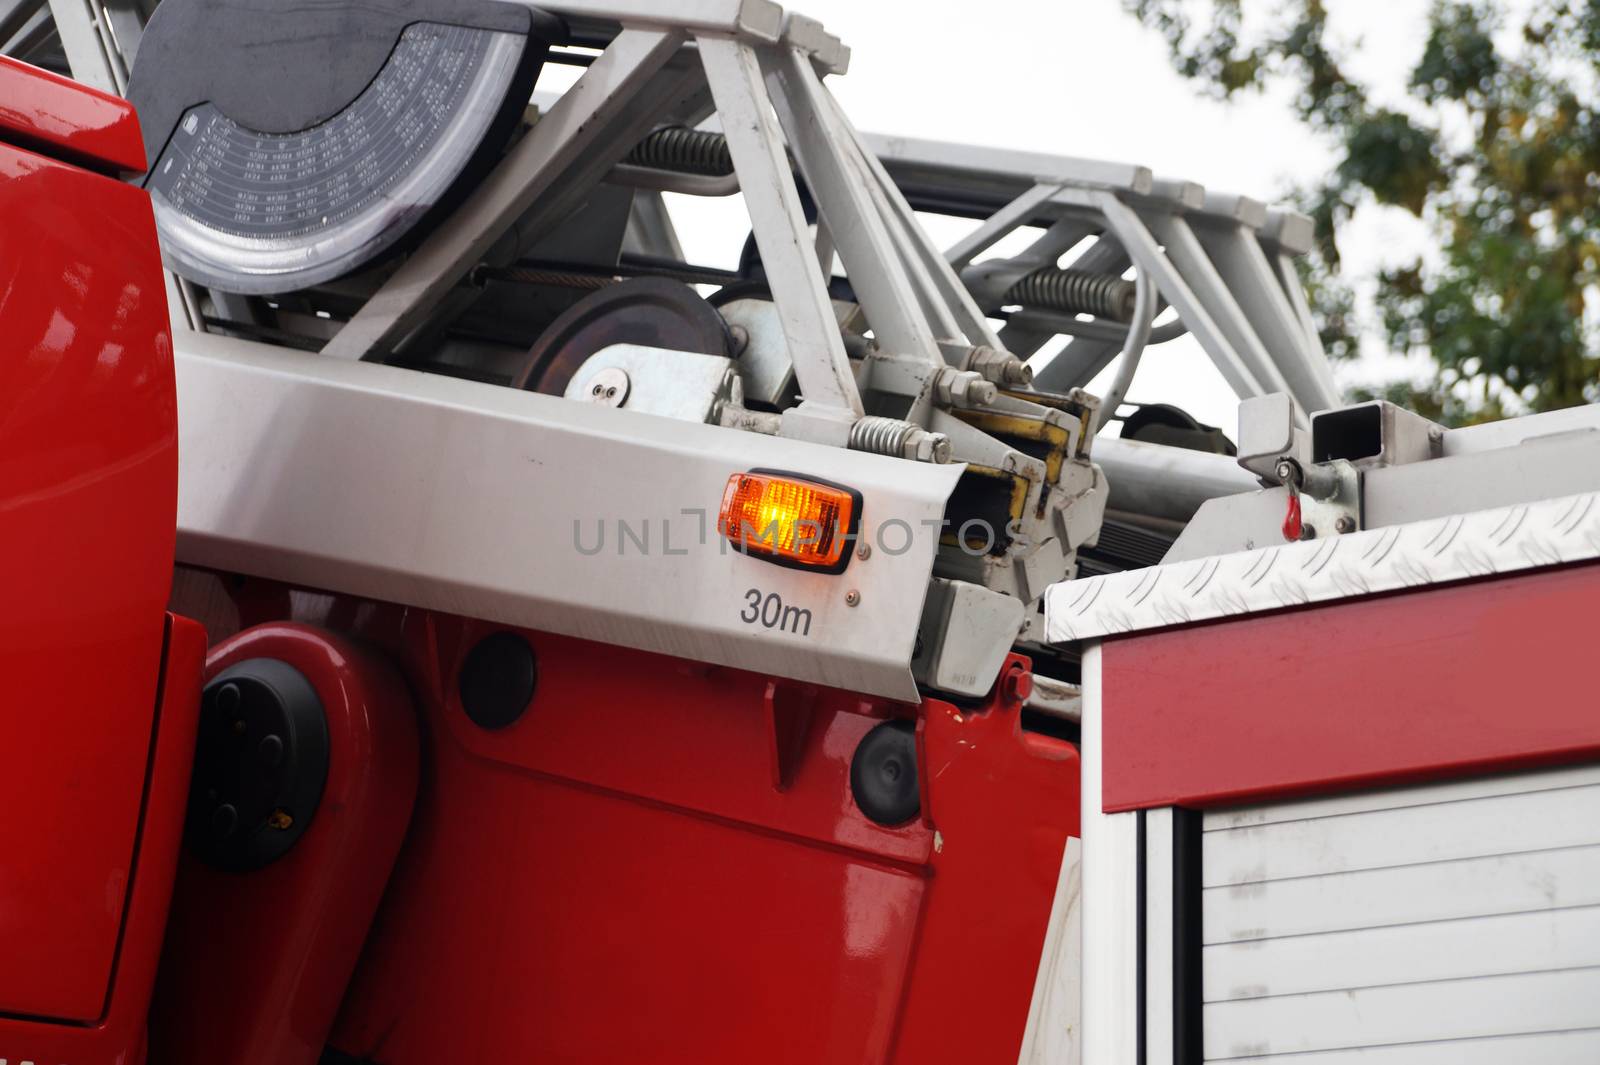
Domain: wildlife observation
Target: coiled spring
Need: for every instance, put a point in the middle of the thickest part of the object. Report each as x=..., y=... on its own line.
x=881, y=436
x=684, y=150
x=1075, y=292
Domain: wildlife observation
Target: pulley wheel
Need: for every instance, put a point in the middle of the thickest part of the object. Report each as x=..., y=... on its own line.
x=651, y=311
x=290, y=144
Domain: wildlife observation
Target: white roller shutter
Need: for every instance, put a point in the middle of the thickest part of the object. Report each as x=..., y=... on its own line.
x=1451, y=924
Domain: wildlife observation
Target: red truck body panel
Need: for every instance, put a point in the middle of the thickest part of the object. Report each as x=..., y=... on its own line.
x=1443, y=681
x=663, y=861
x=97, y=732
x=89, y=465
x=116, y=1034
x=66, y=119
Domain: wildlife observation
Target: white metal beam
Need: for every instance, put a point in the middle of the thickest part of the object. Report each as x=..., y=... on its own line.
x=995, y=228
x=1110, y=896
x=820, y=364
x=435, y=492
x=1015, y=165
x=809, y=36
x=760, y=20
x=1147, y=255
x=929, y=266
x=1243, y=267
x=82, y=38
x=14, y=15
x=1189, y=255
x=843, y=196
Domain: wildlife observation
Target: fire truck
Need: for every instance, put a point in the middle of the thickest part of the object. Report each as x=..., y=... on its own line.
x=444, y=622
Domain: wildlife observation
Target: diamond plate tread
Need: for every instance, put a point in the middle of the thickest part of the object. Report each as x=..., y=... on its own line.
x=1461, y=546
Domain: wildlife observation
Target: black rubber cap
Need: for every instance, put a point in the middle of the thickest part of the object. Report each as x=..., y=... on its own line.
x=883, y=774
x=261, y=763
x=497, y=680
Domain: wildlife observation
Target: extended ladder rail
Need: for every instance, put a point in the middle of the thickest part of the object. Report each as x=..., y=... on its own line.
x=1225, y=263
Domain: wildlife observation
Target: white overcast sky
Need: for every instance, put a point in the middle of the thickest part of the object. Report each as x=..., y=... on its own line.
x=1081, y=77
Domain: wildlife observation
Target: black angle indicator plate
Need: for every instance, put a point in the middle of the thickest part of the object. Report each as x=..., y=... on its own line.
x=291, y=144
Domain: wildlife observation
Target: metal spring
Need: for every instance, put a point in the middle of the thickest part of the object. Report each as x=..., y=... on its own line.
x=881, y=436
x=1075, y=292
x=550, y=278
x=684, y=150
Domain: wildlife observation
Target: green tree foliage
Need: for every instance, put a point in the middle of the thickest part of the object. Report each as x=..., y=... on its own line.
x=1496, y=146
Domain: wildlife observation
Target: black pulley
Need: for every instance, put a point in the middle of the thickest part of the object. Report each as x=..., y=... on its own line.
x=290, y=144
x=1161, y=423
x=883, y=774
x=261, y=762
x=651, y=311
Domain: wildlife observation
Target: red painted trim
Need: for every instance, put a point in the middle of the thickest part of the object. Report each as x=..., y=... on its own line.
x=88, y=491
x=118, y=1037
x=1447, y=681
x=1003, y=802
x=67, y=119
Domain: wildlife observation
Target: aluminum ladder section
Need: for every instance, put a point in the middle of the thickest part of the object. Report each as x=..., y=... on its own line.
x=1223, y=262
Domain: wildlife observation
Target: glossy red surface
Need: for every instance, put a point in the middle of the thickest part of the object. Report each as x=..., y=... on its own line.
x=256, y=963
x=88, y=494
x=662, y=862
x=1003, y=802
x=67, y=119
x=117, y=1035
x=1492, y=675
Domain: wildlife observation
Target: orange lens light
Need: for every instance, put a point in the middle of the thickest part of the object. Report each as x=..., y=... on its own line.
x=789, y=520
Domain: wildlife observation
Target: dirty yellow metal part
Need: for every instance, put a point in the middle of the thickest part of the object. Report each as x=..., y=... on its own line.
x=1079, y=411
x=1017, y=488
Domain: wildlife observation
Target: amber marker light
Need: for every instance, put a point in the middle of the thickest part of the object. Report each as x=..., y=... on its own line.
x=790, y=520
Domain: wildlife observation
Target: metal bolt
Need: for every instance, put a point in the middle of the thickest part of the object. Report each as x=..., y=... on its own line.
x=852, y=597
x=864, y=552
x=609, y=387
x=1287, y=471
x=1308, y=531
x=1345, y=524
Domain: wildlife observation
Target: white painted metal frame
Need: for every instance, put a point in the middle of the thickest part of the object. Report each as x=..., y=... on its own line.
x=1223, y=262
x=1111, y=916
x=86, y=37
x=860, y=232
x=764, y=78
x=787, y=251
x=661, y=63
x=1160, y=913
x=23, y=26
x=486, y=501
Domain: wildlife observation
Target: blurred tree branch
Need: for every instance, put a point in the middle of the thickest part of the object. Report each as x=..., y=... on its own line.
x=1496, y=147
